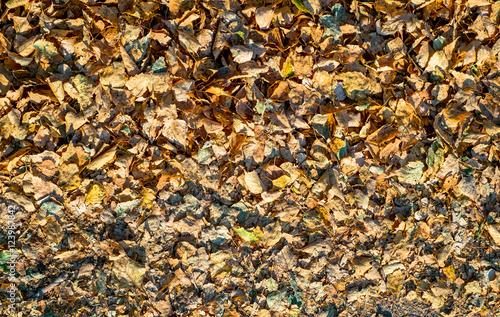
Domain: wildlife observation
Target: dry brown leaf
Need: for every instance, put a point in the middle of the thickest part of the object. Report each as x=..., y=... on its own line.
x=103, y=159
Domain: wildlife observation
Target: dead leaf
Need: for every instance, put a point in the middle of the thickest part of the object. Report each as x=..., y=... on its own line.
x=102, y=160
x=253, y=183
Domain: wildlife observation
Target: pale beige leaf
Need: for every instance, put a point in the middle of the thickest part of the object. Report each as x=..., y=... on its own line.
x=102, y=160
x=253, y=183
x=264, y=17
x=494, y=232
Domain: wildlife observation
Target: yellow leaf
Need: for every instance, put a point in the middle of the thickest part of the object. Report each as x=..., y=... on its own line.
x=287, y=69
x=395, y=281
x=339, y=147
x=323, y=212
x=449, y=271
x=295, y=190
x=281, y=182
x=148, y=196
x=248, y=236
x=96, y=194
x=217, y=91
x=484, y=311
x=258, y=233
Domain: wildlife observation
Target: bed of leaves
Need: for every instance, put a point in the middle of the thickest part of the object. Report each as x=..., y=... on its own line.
x=250, y=158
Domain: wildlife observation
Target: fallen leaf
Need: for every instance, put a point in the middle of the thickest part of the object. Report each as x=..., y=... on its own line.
x=102, y=159
x=96, y=194
x=253, y=183
x=254, y=236
x=494, y=232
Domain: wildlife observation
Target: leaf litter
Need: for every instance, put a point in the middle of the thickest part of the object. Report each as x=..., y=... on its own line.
x=251, y=158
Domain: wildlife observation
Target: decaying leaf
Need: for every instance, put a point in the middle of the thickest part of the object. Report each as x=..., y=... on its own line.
x=356, y=85
x=95, y=195
x=449, y=271
x=494, y=232
x=250, y=158
x=253, y=236
x=300, y=5
x=102, y=159
x=128, y=273
x=395, y=281
x=253, y=183
x=411, y=173
x=287, y=69
x=176, y=132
